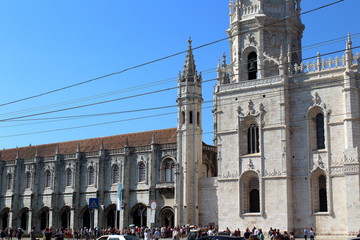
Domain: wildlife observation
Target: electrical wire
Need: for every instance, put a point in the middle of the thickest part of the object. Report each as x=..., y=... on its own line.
x=162, y=58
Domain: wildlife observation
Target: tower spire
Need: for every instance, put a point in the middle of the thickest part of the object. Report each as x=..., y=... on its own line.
x=189, y=72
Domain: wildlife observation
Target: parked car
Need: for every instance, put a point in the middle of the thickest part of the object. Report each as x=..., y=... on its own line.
x=118, y=237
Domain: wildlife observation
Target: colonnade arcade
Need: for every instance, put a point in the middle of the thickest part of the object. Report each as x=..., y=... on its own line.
x=65, y=217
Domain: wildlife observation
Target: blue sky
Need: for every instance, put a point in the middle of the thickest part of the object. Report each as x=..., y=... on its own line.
x=47, y=45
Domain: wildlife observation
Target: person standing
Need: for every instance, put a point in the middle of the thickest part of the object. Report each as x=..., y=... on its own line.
x=306, y=232
x=312, y=234
x=32, y=234
x=157, y=234
x=147, y=234
x=19, y=233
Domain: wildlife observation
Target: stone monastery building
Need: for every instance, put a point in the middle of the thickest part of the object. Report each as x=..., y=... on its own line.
x=285, y=154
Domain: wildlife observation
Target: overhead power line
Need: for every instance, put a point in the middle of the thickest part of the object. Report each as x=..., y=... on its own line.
x=123, y=98
x=159, y=59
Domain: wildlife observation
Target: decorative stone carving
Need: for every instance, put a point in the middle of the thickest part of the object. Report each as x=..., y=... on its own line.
x=250, y=164
x=318, y=163
x=250, y=40
x=229, y=175
x=273, y=173
x=251, y=112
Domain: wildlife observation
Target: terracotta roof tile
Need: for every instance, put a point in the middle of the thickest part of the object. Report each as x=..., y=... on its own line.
x=162, y=136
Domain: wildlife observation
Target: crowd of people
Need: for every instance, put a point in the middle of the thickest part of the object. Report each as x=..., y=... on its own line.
x=154, y=233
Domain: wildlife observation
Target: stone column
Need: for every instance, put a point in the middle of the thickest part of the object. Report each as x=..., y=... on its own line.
x=11, y=215
x=50, y=218
x=72, y=219
x=96, y=218
x=29, y=226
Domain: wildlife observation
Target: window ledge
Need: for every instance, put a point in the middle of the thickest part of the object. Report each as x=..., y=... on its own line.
x=257, y=214
x=321, y=214
x=251, y=155
x=319, y=151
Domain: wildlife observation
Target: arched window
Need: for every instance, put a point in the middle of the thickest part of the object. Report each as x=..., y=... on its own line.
x=91, y=179
x=183, y=117
x=320, y=133
x=254, y=199
x=68, y=177
x=252, y=66
x=253, y=139
x=250, y=193
x=322, y=194
x=191, y=117
x=170, y=171
x=47, y=178
x=9, y=181
x=115, y=174
x=319, y=191
x=28, y=180
x=142, y=172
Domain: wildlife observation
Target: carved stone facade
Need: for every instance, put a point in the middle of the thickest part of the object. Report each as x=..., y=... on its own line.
x=305, y=171
x=286, y=154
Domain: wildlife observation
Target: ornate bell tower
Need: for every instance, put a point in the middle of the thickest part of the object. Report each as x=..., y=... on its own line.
x=259, y=31
x=189, y=142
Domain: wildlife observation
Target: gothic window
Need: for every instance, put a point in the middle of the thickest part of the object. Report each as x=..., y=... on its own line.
x=253, y=139
x=320, y=133
x=169, y=171
x=319, y=191
x=142, y=172
x=91, y=177
x=9, y=181
x=115, y=174
x=28, y=180
x=250, y=193
x=68, y=177
x=254, y=200
x=252, y=66
x=47, y=178
x=322, y=194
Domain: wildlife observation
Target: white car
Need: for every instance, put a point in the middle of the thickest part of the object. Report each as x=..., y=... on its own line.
x=118, y=237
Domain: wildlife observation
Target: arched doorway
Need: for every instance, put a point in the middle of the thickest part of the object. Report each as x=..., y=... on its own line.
x=110, y=215
x=24, y=218
x=44, y=218
x=167, y=217
x=5, y=218
x=139, y=215
x=65, y=217
x=86, y=218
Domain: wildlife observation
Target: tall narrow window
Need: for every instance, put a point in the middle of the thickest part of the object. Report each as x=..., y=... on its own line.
x=68, y=177
x=198, y=118
x=190, y=117
x=28, y=180
x=322, y=194
x=170, y=171
x=116, y=174
x=183, y=117
x=252, y=66
x=254, y=198
x=141, y=172
x=47, y=179
x=320, y=133
x=91, y=179
x=253, y=139
x=9, y=181
x=173, y=172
